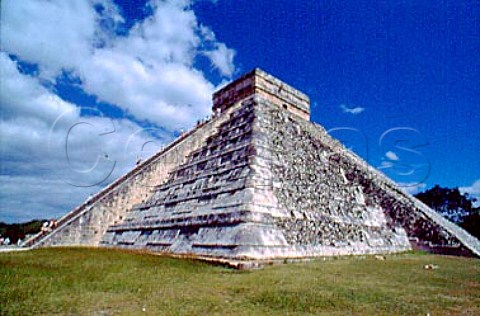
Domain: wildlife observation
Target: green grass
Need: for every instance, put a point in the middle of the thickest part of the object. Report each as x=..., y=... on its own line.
x=110, y=282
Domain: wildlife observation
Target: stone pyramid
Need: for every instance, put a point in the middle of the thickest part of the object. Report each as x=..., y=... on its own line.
x=258, y=181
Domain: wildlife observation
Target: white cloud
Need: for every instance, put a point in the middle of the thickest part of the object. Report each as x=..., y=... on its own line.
x=22, y=95
x=222, y=58
x=473, y=191
x=170, y=95
x=49, y=198
x=385, y=165
x=52, y=34
x=51, y=161
x=412, y=187
x=354, y=111
x=148, y=72
x=392, y=155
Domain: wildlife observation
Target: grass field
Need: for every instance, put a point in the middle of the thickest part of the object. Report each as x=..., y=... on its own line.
x=110, y=282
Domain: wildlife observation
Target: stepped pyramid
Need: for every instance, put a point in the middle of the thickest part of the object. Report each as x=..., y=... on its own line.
x=257, y=181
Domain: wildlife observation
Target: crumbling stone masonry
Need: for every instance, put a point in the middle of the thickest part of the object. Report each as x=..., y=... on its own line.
x=258, y=181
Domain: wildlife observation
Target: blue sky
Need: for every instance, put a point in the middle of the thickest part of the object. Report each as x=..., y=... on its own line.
x=398, y=81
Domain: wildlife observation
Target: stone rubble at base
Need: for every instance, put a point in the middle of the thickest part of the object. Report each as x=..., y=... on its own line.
x=258, y=181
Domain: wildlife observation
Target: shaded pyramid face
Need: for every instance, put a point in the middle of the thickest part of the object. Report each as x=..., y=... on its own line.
x=270, y=184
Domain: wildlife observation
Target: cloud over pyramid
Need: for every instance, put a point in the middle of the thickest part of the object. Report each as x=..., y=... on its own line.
x=257, y=181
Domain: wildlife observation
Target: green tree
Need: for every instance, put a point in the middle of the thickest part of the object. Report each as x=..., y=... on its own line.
x=19, y=230
x=455, y=206
x=471, y=223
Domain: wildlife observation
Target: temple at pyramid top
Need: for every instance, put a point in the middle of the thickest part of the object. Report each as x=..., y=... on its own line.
x=273, y=89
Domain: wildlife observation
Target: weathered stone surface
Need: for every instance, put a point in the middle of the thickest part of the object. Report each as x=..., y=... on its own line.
x=258, y=181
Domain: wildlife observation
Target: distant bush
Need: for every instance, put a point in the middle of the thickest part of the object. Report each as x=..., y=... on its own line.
x=455, y=206
x=19, y=230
